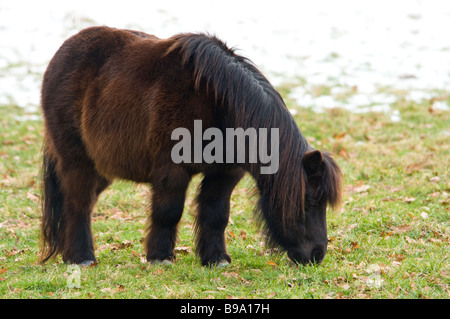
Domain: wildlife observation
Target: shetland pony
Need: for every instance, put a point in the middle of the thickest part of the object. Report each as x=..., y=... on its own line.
x=110, y=100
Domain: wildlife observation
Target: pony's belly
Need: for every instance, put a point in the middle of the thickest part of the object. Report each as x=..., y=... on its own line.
x=120, y=160
x=123, y=170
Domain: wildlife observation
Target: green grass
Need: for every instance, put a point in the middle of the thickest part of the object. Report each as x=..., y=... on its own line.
x=390, y=240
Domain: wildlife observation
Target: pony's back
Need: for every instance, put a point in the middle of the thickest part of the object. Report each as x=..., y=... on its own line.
x=109, y=95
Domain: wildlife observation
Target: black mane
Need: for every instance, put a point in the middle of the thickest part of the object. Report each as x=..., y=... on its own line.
x=251, y=101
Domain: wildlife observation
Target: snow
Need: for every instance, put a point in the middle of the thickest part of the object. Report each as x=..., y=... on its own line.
x=355, y=48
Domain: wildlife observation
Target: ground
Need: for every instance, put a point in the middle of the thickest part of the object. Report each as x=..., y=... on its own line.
x=389, y=240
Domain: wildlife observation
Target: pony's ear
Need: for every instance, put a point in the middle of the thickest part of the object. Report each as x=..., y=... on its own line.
x=312, y=162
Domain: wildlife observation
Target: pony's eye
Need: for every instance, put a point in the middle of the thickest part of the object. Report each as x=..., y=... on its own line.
x=311, y=203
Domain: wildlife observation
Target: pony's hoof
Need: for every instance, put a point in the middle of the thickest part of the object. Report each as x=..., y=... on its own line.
x=218, y=261
x=222, y=264
x=218, y=264
x=87, y=263
x=162, y=262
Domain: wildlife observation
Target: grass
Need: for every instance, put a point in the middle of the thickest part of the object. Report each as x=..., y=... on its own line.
x=390, y=240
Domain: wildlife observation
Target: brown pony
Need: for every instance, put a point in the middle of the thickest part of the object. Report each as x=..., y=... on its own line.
x=111, y=99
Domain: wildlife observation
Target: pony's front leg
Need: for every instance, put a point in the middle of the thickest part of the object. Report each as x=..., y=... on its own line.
x=212, y=216
x=167, y=208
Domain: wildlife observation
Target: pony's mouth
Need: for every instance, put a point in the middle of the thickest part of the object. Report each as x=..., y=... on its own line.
x=312, y=257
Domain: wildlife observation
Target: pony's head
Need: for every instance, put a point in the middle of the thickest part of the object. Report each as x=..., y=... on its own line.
x=302, y=229
x=321, y=179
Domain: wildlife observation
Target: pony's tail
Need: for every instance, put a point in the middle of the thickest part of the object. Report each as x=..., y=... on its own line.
x=52, y=201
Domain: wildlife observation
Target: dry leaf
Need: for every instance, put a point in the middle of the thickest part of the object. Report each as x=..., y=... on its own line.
x=13, y=223
x=104, y=246
x=231, y=274
x=33, y=197
x=340, y=135
x=119, y=215
x=434, y=195
x=386, y=234
x=409, y=199
x=345, y=286
x=409, y=240
x=116, y=246
x=14, y=251
x=183, y=249
x=399, y=257
x=435, y=179
x=354, y=245
x=271, y=263
x=424, y=215
x=125, y=244
x=271, y=295
x=361, y=189
x=401, y=229
x=168, y=289
x=343, y=152
x=120, y=287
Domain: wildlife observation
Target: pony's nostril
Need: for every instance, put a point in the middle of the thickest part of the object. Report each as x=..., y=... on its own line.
x=317, y=255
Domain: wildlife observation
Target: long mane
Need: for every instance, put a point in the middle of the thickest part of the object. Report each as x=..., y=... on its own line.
x=233, y=79
x=251, y=101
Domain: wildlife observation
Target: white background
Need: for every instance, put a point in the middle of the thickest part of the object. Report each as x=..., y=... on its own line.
x=344, y=44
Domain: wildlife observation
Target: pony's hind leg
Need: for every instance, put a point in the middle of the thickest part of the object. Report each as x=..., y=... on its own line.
x=81, y=187
x=212, y=216
x=168, y=195
x=68, y=201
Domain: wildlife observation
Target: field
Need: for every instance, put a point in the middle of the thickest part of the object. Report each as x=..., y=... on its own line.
x=390, y=239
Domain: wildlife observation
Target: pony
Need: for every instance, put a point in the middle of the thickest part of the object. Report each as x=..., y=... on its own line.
x=111, y=99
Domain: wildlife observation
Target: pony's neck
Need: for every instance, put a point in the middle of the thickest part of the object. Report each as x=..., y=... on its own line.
x=282, y=193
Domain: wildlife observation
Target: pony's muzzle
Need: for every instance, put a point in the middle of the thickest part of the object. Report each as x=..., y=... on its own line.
x=305, y=257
